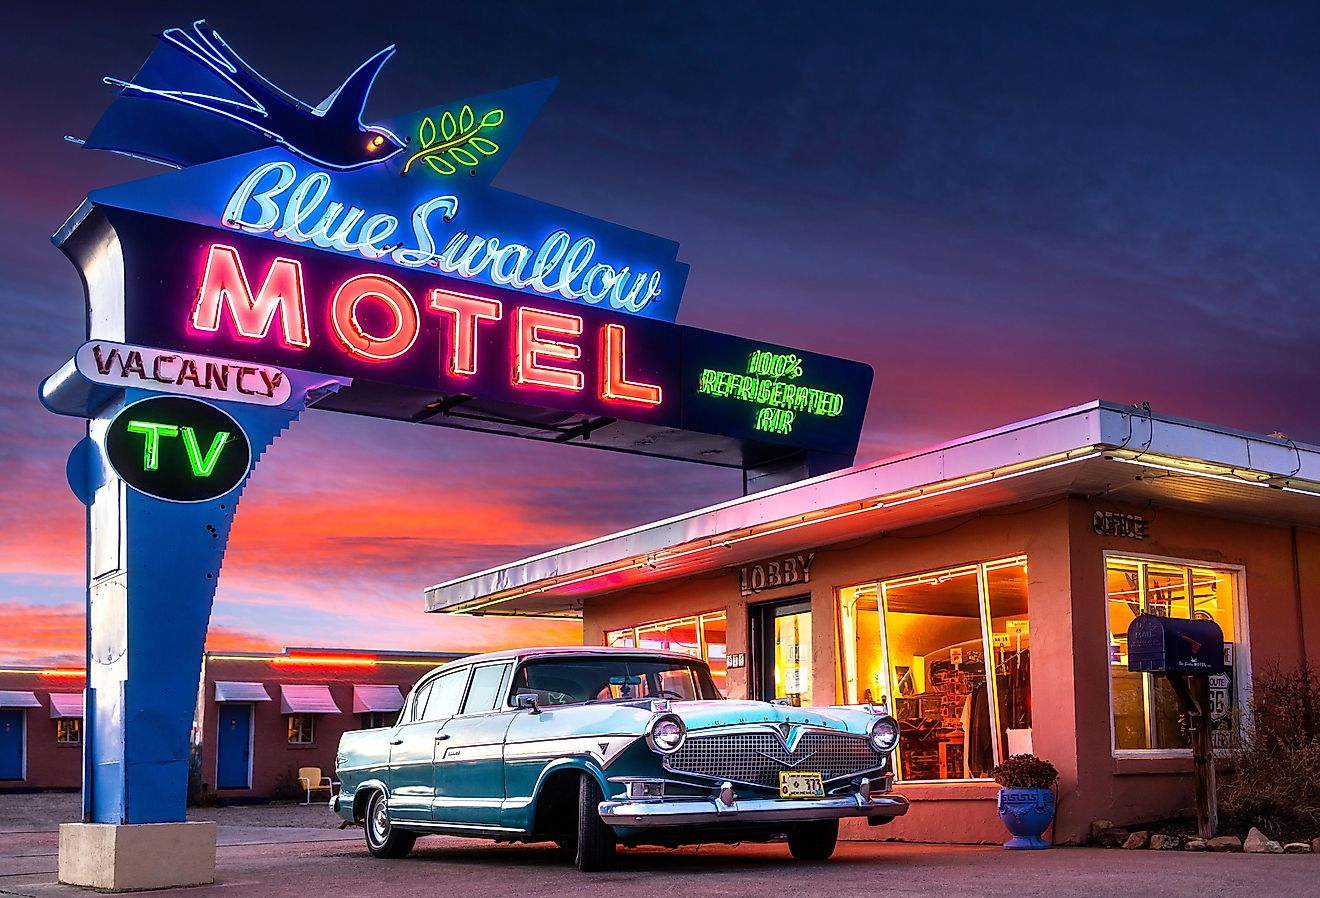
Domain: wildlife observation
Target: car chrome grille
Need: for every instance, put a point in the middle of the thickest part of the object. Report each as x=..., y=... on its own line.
x=757, y=758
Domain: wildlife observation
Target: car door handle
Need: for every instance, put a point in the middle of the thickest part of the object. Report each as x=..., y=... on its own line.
x=396, y=742
x=441, y=737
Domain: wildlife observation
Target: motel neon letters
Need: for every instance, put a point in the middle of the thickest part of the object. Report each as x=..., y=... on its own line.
x=547, y=346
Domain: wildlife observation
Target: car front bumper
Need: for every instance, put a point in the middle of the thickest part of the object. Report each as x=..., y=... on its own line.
x=635, y=814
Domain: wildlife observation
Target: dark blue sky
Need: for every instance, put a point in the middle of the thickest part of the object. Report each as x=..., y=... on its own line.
x=1006, y=209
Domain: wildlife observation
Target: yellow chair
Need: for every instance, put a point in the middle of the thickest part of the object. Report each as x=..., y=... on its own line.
x=310, y=779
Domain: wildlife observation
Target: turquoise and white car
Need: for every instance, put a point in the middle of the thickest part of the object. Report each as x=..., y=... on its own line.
x=593, y=748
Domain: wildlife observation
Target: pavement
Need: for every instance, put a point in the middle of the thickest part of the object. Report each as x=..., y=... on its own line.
x=290, y=850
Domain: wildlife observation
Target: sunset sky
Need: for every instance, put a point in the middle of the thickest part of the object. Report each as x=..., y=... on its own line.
x=1005, y=209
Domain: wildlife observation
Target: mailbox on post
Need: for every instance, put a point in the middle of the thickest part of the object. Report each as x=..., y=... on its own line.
x=1175, y=645
x=1187, y=653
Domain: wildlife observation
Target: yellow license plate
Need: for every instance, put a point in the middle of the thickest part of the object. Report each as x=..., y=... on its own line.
x=793, y=784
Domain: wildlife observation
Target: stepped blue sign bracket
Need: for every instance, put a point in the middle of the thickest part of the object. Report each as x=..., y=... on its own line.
x=297, y=256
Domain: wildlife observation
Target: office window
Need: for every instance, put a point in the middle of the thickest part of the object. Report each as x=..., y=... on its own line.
x=702, y=636
x=949, y=654
x=302, y=729
x=1146, y=712
x=68, y=730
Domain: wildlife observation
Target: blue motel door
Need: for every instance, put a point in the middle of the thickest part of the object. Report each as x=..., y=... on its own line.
x=11, y=744
x=234, y=747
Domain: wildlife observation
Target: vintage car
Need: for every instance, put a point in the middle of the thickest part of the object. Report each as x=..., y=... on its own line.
x=592, y=748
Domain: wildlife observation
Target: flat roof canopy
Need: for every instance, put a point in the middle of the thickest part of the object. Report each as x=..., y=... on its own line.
x=1086, y=450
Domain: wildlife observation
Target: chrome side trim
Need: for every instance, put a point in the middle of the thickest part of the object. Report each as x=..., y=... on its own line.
x=459, y=828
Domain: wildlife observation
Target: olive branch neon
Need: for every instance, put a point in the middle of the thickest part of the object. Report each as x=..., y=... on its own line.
x=455, y=138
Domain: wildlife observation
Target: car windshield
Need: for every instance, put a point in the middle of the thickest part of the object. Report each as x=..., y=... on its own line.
x=567, y=681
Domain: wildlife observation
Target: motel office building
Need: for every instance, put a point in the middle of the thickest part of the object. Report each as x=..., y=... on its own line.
x=981, y=590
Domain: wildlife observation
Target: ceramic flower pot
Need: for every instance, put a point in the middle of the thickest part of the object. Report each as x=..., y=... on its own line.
x=1026, y=813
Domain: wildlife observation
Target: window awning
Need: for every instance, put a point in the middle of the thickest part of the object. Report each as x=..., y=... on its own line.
x=227, y=691
x=375, y=697
x=18, y=700
x=307, y=700
x=66, y=704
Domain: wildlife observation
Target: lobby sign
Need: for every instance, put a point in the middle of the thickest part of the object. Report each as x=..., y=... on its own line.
x=774, y=573
x=178, y=449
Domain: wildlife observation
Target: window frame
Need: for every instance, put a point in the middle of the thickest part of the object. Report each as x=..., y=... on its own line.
x=848, y=656
x=288, y=721
x=63, y=721
x=501, y=689
x=1241, y=646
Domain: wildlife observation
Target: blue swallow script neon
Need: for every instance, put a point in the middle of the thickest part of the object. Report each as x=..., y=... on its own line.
x=275, y=199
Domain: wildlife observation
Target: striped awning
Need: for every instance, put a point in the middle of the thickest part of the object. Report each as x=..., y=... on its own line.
x=18, y=700
x=66, y=704
x=307, y=700
x=369, y=697
x=229, y=691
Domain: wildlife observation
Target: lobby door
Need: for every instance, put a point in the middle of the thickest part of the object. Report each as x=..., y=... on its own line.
x=781, y=634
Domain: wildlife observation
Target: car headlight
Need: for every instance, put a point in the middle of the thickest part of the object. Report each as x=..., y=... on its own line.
x=884, y=734
x=665, y=734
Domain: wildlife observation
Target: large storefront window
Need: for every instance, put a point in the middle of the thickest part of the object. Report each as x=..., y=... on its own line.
x=702, y=636
x=919, y=645
x=1146, y=712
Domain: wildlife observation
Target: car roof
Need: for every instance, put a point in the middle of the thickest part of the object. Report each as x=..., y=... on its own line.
x=596, y=651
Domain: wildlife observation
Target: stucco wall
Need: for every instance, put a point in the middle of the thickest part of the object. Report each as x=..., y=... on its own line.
x=273, y=757
x=50, y=764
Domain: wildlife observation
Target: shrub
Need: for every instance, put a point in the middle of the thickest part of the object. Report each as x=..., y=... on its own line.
x=1272, y=781
x=287, y=787
x=1025, y=772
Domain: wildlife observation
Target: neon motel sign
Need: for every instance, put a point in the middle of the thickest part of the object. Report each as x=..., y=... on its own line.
x=547, y=348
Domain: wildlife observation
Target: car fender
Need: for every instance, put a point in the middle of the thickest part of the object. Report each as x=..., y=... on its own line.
x=363, y=788
x=581, y=765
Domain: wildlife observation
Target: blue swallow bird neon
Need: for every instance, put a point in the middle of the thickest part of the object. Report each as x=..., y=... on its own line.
x=210, y=77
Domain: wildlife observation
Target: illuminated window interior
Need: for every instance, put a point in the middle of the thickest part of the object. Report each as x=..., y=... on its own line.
x=1147, y=715
x=702, y=636
x=918, y=645
x=68, y=730
x=302, y=729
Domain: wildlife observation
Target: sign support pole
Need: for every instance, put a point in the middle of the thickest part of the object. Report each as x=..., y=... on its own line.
x=1194, y=695
x=152, y=569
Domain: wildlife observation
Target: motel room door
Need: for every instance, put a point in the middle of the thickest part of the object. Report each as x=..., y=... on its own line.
x=233, y=764
x=781, y=640
x=11, y=743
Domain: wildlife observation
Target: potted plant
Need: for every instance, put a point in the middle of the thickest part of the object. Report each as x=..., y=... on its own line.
x=1026, y=801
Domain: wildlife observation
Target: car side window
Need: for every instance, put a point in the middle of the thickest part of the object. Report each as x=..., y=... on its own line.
x=487, y=688
x=446, y=693
x=419, y=701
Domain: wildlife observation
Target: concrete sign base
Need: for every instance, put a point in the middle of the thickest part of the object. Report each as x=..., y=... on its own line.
x=133, y=857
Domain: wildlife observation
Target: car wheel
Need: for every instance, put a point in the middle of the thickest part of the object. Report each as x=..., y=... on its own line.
x=383, y=838
x=595, y=838
x=813, y=841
